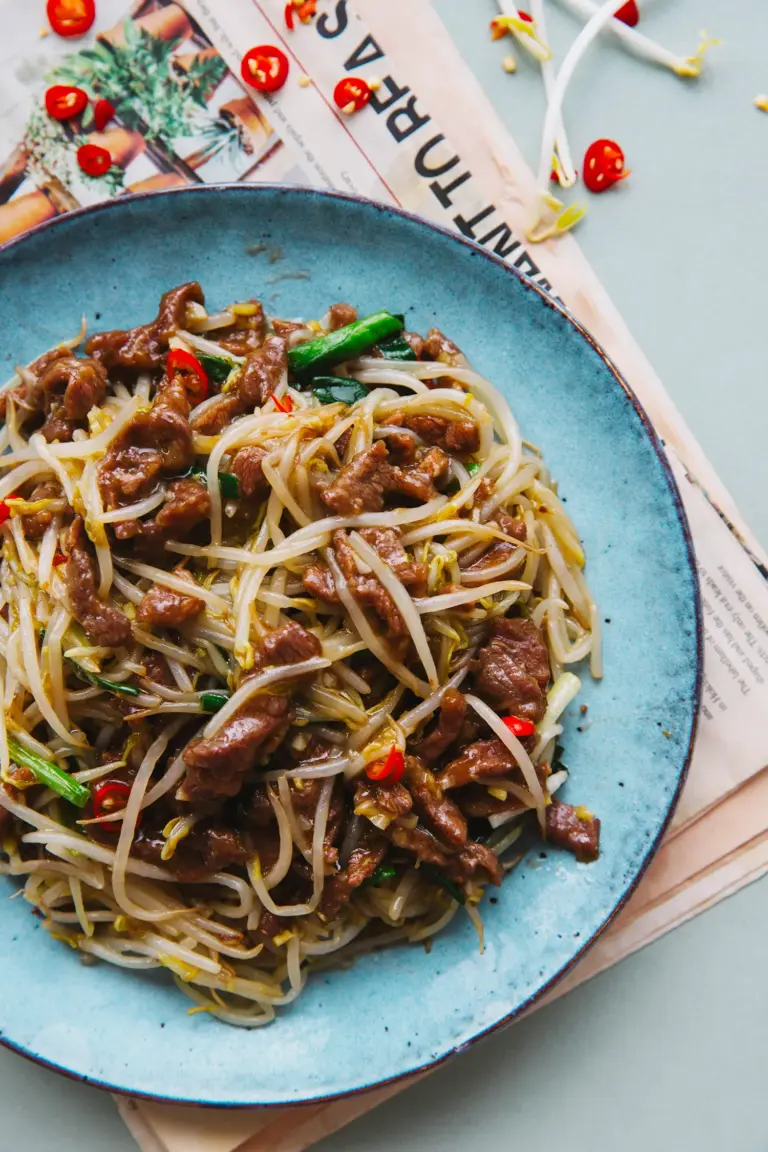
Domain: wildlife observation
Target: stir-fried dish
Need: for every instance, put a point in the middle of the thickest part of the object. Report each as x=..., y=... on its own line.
x=287, y=613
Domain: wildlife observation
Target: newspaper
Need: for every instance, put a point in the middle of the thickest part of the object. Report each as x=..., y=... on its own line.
x=430, y=142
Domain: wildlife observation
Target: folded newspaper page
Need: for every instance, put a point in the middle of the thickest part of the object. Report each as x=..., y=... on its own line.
x=431, y=142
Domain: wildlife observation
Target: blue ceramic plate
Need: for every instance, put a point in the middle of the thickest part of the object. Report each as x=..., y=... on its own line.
x=399, y=1011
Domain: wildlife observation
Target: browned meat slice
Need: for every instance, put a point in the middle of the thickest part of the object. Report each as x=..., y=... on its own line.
x=187, y=505
x=500, y=550
x=512, y=671
x=362, y=485
x=424, y=846
x=318, y=581
x=286, y=328
x=402, y=447
x=339, y=315
x=246, y=334
x=218, y=766
x=453, y=710
x=83, y=384
x=153, y=443
x=575, y=829
x=474, y=856
x=476, y=801
x=247, y=466
x=143, y=348
x=450, y=722
x=103, y=623
x=209, y=848
x=35, y=523
x=214, y=419
x=388, y=544
x=156, y=668
x=262, y=372
x=483, y=760
x=259, y=812
x=393, y=799
x=362, y=863
x=289, y=644
x=439, y=812
x=439, y=347
x=165, y=608
x=368, y=590
x=460, y=437
x=271, y=926
x=416, y=342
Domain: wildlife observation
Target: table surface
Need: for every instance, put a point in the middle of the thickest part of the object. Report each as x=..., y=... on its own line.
x=666, y=1050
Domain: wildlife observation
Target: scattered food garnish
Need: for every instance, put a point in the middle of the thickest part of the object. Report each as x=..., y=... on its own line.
x=518, y=726
x=604, y=165
x=5, y=512
x=71, y=18
x=351, y=94
x=49, y=773
x=265, y=68
x=524, y=29
x=63, y=101
x=509, y=64
x=563, y=170
x=643, y=46
x=761, y=102
x=304, y=9
x=195, y=376
x=93, y=159
x=103, y=112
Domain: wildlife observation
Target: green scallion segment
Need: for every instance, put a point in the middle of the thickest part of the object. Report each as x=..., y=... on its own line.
x=213, y=701
x=382, y=873
x=396, y=348
x=101, y=682
x=50, y=774
x=219, y=368
x=337, y=390
x=228, y=485
x=473, y=467
x=345, y=344
x=443, y=882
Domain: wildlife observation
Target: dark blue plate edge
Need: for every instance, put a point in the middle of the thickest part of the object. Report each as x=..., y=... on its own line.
x=556, y=306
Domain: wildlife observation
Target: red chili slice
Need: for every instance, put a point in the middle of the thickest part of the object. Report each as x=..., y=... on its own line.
x=307, y=10
x=629, y=13
x=196, y=384
x=518, y=726
x=62, y=101
x=108, y=798
x=265, y=68
x=289, y=11
x=524, y=16
x=391, y=769
x=103, y=112
x=283, y=405
x=59, y=558
x=603, y=165
x=93, y=159
x=5, y=512
x=71, y=17
x=351, y=94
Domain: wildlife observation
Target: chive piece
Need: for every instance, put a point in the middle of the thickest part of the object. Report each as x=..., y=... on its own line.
x=396, y=348
x=213, y=701
x=345, y=344
x=228, y=485
x=218, y=368
x=473, y=467
x=100, y=682
x=337, y=390
x=443, y=882
x=382, y=873
x=50, y=774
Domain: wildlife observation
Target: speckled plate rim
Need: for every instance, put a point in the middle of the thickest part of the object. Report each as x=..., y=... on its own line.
x=555, y=306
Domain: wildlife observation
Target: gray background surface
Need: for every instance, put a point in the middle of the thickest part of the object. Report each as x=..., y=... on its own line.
x=666, y=1051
